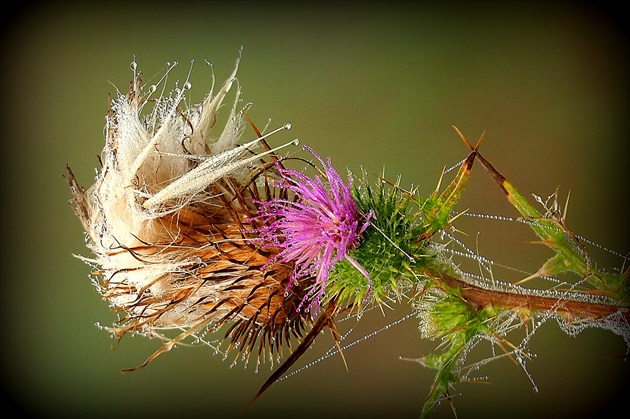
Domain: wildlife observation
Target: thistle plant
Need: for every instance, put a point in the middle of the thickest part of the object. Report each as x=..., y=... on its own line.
x=190, y=234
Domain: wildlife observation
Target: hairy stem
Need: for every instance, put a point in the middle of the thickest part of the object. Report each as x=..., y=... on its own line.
x=572, y=308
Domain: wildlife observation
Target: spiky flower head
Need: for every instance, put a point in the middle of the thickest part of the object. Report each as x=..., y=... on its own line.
x=165, y=219
x=316, y=229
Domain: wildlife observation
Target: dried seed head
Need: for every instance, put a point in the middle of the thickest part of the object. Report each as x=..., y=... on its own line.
x=168, y=220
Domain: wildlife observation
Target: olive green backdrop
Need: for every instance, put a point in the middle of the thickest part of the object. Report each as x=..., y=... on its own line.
x=369, y=84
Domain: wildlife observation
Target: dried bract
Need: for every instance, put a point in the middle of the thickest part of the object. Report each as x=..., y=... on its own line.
x=168, y=220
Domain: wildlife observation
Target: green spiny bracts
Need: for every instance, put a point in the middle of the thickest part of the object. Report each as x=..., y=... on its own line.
x=445, y=314
x=390, y=250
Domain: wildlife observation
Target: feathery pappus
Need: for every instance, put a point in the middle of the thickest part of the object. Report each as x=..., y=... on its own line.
x=170, y=217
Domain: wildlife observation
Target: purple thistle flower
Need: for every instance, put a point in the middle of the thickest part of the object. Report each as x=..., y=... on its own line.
x=315, y=230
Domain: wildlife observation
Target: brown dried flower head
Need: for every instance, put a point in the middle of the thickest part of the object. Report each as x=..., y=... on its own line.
x=168, y=219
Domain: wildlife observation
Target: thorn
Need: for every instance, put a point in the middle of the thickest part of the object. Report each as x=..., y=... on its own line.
x=335, y=334
x=528, y=278
x=458, y=215
x=456, y=230
x=407, y=193
x=566, y=207
x=439, y=184
x=468, y=144
x=480, y=140
x=324, y=320
x=420, y=360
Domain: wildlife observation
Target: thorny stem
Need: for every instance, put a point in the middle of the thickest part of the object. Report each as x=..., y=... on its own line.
x=570, y=252
x=462, y=313
x=481, y=297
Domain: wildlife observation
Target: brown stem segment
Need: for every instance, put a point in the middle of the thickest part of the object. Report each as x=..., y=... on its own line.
x=572, y=309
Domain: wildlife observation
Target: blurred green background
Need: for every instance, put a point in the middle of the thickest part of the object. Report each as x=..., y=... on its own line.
x=370, y=84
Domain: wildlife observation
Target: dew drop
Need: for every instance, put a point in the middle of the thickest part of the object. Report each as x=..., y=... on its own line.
x=287, y=125
x=187, y=85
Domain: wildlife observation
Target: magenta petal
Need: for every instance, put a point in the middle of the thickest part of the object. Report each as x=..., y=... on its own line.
x=316, y=230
